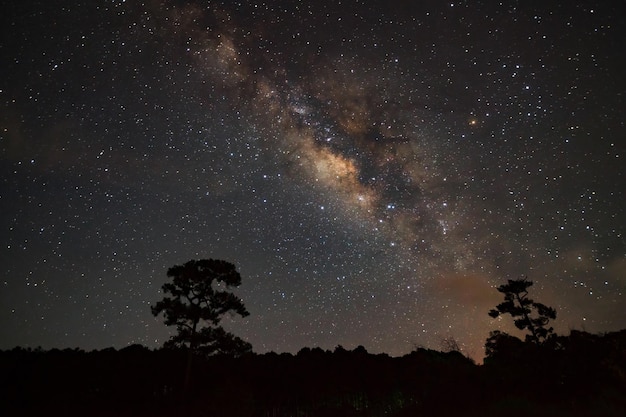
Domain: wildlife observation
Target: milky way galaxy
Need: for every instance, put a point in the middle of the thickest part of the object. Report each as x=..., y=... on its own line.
x=373, y=169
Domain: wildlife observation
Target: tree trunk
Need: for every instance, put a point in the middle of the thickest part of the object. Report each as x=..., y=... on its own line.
x=190, y=351
x=531, y=327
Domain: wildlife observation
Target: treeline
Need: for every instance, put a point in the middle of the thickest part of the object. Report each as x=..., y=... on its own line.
x=578, y=375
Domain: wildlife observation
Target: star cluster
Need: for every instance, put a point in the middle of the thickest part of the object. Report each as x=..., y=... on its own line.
x=373, y=169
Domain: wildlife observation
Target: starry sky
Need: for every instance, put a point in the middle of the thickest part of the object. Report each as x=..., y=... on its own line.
x=374, y=169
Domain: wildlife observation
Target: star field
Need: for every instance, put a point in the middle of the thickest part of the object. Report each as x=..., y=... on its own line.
x=373, y=169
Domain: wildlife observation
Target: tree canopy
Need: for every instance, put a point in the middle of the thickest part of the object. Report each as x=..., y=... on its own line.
x=195, y=302
x=527, y=314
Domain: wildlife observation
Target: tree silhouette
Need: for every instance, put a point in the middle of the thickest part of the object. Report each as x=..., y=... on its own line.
x=195, y=302
x=520, y=307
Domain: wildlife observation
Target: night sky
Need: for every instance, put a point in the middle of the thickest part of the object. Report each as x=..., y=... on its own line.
x=374, y=169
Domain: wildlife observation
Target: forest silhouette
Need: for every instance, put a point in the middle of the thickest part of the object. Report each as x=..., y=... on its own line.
x=546, y=374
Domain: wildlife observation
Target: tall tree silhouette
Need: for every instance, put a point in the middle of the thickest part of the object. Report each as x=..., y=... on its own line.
x=195, y=302
x=520, y=307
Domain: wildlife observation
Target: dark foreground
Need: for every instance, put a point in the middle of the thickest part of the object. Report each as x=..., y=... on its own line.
x=582, y=375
